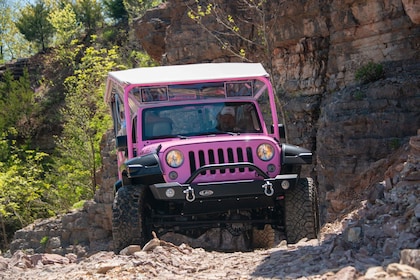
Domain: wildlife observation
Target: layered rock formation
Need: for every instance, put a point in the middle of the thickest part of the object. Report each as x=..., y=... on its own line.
x=316, y=49
x=377, y=240
x=352, y=128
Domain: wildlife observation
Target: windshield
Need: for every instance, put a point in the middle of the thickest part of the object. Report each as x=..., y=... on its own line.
x=200, y=119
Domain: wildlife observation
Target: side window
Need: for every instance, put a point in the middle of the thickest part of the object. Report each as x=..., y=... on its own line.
x=239, y=89
x=156, y=125
x=119, y=117
x=264, y=104
x=134, y=130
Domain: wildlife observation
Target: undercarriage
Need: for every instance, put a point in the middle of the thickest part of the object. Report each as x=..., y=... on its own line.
x=137, y=213
x=236, y=221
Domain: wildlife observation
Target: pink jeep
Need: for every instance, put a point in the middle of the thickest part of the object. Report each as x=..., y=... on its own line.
x=199, y=146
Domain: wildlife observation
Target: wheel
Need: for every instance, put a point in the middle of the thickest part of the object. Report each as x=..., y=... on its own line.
x=128, y=217
x=263, y=238
x=301, y=211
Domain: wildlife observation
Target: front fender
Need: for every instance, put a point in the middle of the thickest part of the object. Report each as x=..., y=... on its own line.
x=295, y=155
x=145, y=165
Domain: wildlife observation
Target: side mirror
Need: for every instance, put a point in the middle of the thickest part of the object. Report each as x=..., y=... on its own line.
x=282, y=130
x=121, y=142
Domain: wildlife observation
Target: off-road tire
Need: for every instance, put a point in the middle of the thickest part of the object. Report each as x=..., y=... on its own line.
x=263, y=238
x=301, y=211
x=128, y=217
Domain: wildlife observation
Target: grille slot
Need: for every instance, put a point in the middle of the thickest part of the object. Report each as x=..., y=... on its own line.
x=214, y=156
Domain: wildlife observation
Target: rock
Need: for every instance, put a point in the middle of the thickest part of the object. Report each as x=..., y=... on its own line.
x=411, y=258
x=403, y=271
x=3, y=263
x=376, y=194
x=105, y=267
x=48, y=259
x=412, y=8
x=21, y=260
x=130, y=250
x=374, y=273
x=352, y=234
x=359, y=134
x=368, y=238
x=347, y=273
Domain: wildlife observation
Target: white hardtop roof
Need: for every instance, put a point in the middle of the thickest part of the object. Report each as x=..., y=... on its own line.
x=188, y=73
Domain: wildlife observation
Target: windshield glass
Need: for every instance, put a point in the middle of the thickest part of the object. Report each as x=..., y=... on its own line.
x=200, y=119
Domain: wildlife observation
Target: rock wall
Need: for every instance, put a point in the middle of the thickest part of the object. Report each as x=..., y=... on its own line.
x=352, y=129
x=317, y=47
x=359, y=128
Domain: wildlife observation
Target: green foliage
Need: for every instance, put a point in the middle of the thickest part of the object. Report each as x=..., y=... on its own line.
x=395, y=143
x=86, y=120
x=141, y=59
x=65, y=23
x=17, y=105
x=24, y=193
x=359, y=95
x=232, y=20
x=202, y=11
x=137, y=8
x=79, y=204
x=12, y=42
x=33, y=184
x=116, y=10
x=44, y=240
x=89, y=13
x=34, y=25
x=370, y=72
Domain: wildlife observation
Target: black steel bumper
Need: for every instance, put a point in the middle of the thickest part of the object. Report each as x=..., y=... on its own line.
x=190, y=191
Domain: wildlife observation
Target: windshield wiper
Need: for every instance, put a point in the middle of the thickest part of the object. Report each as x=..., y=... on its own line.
x=226, y=132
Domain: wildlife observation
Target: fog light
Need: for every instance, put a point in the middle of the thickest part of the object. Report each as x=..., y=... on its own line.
x=271, y=168
x=170, y=192
x=285, y=185
x=173, y=175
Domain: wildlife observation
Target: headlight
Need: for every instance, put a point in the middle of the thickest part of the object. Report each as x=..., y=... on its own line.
x=265, y=152
x=174, y=158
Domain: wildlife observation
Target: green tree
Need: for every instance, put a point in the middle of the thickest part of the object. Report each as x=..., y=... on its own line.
x=24, y=194
x=116, y=10
x=17, y=105
x=86, y=120
x=89, y=14
x=65, y=23
x=12, y=42
x=34, y=25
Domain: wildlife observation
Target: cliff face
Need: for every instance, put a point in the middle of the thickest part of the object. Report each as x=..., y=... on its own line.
x=316, y=47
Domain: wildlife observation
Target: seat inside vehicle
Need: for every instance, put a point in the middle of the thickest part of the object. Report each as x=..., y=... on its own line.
x=161, y=128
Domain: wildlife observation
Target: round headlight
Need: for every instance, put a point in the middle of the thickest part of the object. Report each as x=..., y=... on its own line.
x=174, y=158
x=265, y=152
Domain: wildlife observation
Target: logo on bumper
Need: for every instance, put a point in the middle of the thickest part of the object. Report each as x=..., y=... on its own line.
x=206, y=193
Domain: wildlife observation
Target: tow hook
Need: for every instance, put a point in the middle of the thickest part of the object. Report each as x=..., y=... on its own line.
x=268, y=188
x=189, y=194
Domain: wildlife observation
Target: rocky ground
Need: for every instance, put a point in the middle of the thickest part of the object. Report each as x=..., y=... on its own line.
x=379, y=238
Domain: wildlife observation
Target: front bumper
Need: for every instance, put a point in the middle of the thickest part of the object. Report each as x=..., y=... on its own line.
x=190, y=191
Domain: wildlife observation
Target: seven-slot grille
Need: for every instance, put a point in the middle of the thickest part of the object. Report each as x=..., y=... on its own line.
x=215, y=156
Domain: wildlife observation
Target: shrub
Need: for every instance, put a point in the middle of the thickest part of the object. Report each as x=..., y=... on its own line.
x=370, y=72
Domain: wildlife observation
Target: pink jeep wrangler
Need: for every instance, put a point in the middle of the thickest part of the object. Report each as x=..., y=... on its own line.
x=199, y=146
